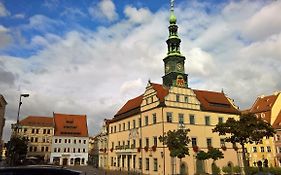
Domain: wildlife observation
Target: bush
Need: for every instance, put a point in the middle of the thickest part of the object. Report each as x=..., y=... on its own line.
x=236, y=169
x=215, y=169
x=227, y=169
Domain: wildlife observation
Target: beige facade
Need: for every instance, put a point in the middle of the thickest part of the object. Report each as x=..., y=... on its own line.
x=3, y=104
x=269, y=109
x=133, y=136
x=39, y=132
x=103, y=147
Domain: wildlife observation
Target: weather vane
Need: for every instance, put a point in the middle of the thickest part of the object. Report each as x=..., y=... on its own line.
x=172, y=5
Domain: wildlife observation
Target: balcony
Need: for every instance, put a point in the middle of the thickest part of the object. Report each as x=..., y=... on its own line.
x=125, y=149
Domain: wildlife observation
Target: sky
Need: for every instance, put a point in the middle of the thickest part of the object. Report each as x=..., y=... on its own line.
x=90, y=57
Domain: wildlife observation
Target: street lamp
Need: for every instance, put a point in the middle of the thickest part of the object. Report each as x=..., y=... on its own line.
x=20, y=103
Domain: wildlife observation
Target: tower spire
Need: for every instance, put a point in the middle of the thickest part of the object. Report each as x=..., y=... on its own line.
x=174, y=61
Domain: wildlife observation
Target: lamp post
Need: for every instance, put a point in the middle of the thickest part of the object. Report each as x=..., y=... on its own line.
x=20, y=103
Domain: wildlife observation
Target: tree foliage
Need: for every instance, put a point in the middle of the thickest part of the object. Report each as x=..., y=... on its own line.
x=248, y=129
x=212, y=153
x=177, y=142
x=17, y=149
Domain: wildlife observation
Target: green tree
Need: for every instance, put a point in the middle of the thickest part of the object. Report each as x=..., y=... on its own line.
x=17, y=149
x=213, y=153
x=177, y=142
x=248, y=129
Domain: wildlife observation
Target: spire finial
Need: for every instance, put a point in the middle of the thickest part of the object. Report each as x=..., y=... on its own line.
x=173, y=18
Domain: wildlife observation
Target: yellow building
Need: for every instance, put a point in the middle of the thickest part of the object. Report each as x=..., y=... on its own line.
x=39, y=131
x=133, y=133
x=269, y=109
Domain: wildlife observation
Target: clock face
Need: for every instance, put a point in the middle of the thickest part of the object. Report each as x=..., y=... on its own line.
x=179, y=67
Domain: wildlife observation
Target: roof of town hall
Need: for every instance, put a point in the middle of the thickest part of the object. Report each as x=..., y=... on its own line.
x=70, y=125
x=37, y=121
x=210, y=101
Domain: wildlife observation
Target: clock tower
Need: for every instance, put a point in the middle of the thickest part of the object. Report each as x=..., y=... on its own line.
x=174, y=61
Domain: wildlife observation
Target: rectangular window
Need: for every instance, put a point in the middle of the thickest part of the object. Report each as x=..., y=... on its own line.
x=147, y=164
x=123, y=126
x=154, y=118
x=146, y=120
x=177, y=98
x=181, y=119
x=222, y=141
x=186, y=99
x=155, y=164
x=193, y=141
x=114, y=128
x=35, y=149
x=111, y=161
x=47, y=149
x=129, y=125
x=279, y=150
x=49, y=131
x=44, y=131
x=207, y=120
x=262, y=149
x=42, y=149
x=147, y=142
x=33, y=130
x=191, y=119
x=220, y=120
x=140, y=163
x=111, y=129
x=119, y=127
x=155, y=140
x=139, y=122
x=134, y=123
x=37, y=131
x=140, y=143
x=254, y=149
x=169, y=117
x=209, y=142
x=55, y=150
x=268, y=149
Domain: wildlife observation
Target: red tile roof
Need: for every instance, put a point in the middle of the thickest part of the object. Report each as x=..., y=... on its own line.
x=70, y=125
x=130, y=105
x=277, y=122
x=37, y=121
x=215, y=102
x=162, y=92
x=263, y=104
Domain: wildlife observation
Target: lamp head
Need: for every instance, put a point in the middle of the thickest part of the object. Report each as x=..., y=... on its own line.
x=24, y=95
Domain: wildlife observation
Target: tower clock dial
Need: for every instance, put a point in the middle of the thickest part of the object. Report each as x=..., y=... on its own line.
x=179, y=67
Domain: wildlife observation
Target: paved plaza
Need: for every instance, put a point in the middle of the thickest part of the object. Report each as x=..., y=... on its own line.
x=90, y=170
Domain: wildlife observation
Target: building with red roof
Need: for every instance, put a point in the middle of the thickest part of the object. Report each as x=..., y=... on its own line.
x=133, y=132
x=269, y=109
x=39, y=131
x=70, y=140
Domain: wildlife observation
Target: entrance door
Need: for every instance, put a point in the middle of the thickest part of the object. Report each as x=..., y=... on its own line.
x=77, y=161
x=64, y=161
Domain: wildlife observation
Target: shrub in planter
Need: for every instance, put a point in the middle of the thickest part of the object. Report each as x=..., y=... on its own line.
x=236, y=169
x=227, y=169
x=215, y=169
x=224, y=148
x=153, y=148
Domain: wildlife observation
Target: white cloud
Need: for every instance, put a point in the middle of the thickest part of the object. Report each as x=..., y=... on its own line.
x=19, y=16
x=128, y=86
x=5, y=37
x=42, y=23
x=105, y=9
x=137, y=15
x=3, y=10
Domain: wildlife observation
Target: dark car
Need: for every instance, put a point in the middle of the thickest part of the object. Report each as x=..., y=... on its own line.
x=38, y=170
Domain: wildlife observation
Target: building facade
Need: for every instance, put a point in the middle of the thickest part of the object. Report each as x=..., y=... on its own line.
x=103, y=150
x=133, y=133
x=3, y=104
x=269, y=149
x=39, y=131
x=70, y=141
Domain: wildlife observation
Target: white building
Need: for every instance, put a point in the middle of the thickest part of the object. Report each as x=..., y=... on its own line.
x=70, y=141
